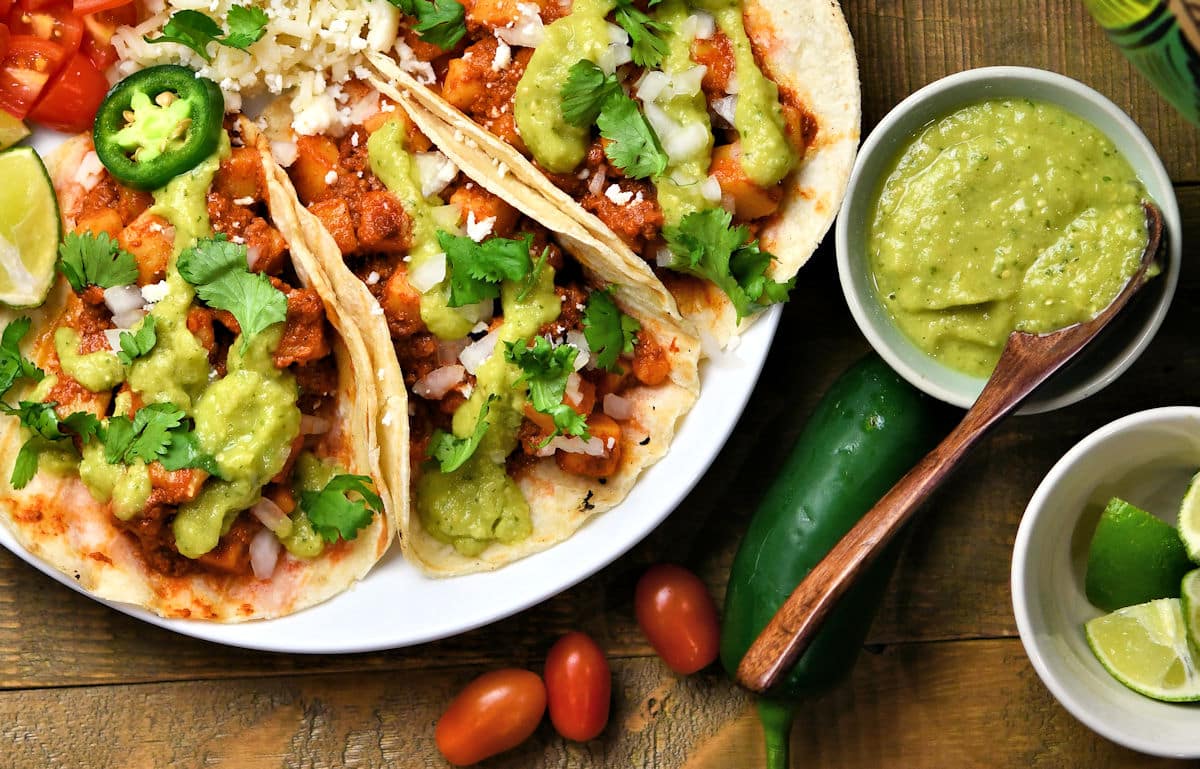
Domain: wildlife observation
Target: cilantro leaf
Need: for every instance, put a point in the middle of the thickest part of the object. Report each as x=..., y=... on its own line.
x=48, y=429
x=334, y=514
x=476, y=269
x=38, y=417
x=138, y=343
x=608, y=331
x=95, y=260
x=189, y=28
x=441, y=22
x=83, y=423
x=535, y=276
x=632, y=144
x=545, y=369
x=647, y=35
x=159, y=432
x=586, y=90
x=450, y=451
x=26, y=464
x=152, y=425
x=219, y=271
x=12, y=364
x=118, y=437
x=247, y=25
x=183, y=451
x=705, y=244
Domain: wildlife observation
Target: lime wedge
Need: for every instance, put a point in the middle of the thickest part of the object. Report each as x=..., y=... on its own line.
x=12, y=130
x=1145, y=647
x=1134, y=558
x=29, y=229
x=1190, y=603
x=1189, y=520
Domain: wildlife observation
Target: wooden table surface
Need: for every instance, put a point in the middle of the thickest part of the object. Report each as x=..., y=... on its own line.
x=944, y=681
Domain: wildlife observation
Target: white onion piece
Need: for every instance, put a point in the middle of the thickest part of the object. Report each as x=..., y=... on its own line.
x=113, y=337
x=574, y=445
x=572, y=393
x=435, y=171
x=272, y=516
x=448, y=351
x=687, y=83
x=596, y=183
x=687, y=141
x=699, y=25
x=617, y=34
x=264, y=554
x=476, y=353
x=129, y=318
x=732, y=86
x=121, y=299
x=711, y=190
x=726, y=108
x=253, y=252
x=434, y=385
x=617, y=407
x=663, y=257
x=427, y=273
x=310, y=425
x=652, y=84
x=614, y=56
x=577, y=340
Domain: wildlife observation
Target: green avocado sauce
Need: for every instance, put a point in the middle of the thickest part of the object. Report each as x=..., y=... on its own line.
x=395, y=167
x=98, y=371
x=310, y=474
x=479, y=503
x=1003, y=215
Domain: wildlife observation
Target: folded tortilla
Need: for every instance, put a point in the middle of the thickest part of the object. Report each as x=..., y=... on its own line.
x=802, y=45
x=56, y=518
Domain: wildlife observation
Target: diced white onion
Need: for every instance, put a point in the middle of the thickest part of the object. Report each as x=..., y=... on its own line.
x=574, y=445
x=481, y=312
x=596, y=183
x=711, y=190
x=527, y=31
x=427, y=273
x=571, y=393
x=285, y=153
x=726, y=108
x=614, y=56
x=448, y=351
x=122, y=299
x=435, y=384
x=272, y=516
x=113, y=336
x=687, y=83
x=698, y=25
x=446, y=217
x=435, y=171
x=310, y=425
x=732, y=86
x=617, y=34
x=663, y=257
x=652, y=84
x=89, y=171
x=129, y=318
x=577, y=340
x=686, y=142
x=476, y=353
x=264, y=554
x=617, y=407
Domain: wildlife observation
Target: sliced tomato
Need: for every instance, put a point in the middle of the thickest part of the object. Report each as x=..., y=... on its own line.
x=4, y=35
x=82, y=7
x=99, y=29
x=71, y=99
x=5, y=7
x=53, y=22
x=34, y=5
x=25, y=70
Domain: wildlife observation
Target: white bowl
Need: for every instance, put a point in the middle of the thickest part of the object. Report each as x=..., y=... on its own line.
x=1146, y=458
x=1116, y=349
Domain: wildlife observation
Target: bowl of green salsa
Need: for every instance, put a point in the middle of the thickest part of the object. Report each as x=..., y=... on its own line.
x=1002, y=199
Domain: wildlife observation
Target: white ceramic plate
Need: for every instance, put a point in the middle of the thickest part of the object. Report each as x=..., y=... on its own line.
x=395, y=605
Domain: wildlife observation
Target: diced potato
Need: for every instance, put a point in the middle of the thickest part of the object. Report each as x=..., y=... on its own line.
x=241, y=175
x=316, y=157
x=148, y=239
x=750, y=201
x=463, y=85
x=105, y=220
x=650, y=364
x=266, y=246
x=334, y=213
x=493, y=14
x=606, y=429
x=401, y=305
x=383, y=224
x=484, y=205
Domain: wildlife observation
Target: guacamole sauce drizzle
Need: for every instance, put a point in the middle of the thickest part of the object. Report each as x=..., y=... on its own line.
x=1003, y=215
x=479, y=503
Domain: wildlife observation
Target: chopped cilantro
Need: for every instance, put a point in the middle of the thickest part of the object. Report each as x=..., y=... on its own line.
x=450, y=451
x=441, y=22
x=609, y=332
x=48, y=431
x=247, y=24
x=632, y=144
x=13, y=364
x=95, y=260
x=705, y=244
x=189, y=28
x=26, y=464
x=140, y=342
x=545, y=368
x=586, y=90
x=647, y=35
x=535, y=276
x=218, y=269
x=159, y=432
x=476, y=269
x=334, y=513
x=183, y=451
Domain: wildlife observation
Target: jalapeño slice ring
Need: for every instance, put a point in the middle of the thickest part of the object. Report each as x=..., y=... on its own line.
x=156, y=124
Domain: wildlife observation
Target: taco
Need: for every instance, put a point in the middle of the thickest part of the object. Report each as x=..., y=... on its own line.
x=539, y=383
x=192, y=413
x=711, y=139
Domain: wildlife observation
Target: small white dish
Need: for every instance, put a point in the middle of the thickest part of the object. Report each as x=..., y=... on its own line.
x=1146, y=458
x=1115, y=350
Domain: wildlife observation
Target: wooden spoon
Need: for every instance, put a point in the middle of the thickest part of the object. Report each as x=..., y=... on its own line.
x=1028, y=360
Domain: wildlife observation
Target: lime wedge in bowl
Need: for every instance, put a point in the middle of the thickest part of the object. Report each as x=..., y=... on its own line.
x=1145, y=647
x=1189, y=520
x=1190, y=603
x=1134, y=558
x=30, y=229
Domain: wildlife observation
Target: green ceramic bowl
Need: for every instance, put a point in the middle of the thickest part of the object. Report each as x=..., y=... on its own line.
x=1161, y=38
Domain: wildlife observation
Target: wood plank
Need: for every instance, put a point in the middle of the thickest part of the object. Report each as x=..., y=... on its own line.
x=892, y=708
x=905, y=44
x=51, y=636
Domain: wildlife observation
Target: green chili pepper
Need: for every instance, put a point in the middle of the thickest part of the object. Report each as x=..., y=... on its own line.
x=156, y=124
x=869, y=429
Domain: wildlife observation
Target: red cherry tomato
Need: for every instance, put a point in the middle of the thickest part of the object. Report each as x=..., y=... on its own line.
x=81, y=7
x=99, y=29
x=4, y=35
x=54, y=23
x=494, y=713
x=25, y=70
x=578, y=687
x=72, y=98
x=678, y=617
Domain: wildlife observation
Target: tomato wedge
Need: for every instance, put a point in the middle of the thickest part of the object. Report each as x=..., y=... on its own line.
x=72, y=98
x=81, y=7
x=100, y=28
x=53, y=23
x=4, y=36
x=25, y=70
